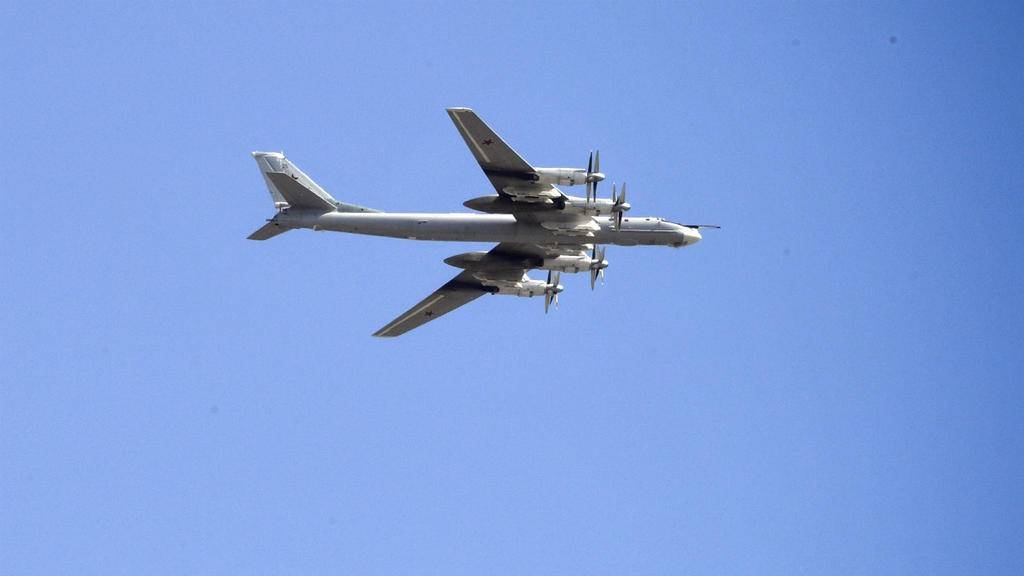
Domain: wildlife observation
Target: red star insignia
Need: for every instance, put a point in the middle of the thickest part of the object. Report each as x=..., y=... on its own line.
x=428, y=313
x=488, y=142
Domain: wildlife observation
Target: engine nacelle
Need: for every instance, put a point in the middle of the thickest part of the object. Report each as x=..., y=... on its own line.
x=525, y=289
x=490, y=261
x=568, y=263
x=564, y=176
x=595, y=207
x=494, y=204
x=467, y=261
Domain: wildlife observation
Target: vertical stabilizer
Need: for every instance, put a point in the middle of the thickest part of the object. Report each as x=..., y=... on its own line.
x=289, y=186
x=291, y=189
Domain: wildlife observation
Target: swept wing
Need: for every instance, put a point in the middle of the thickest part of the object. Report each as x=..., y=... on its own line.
x=505, y=263
x=460, y=290
x=511, y=175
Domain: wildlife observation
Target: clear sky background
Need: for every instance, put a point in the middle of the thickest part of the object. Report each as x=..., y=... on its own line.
x=829, y=384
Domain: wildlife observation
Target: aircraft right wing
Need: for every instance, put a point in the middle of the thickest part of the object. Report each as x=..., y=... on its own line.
x=509, y=173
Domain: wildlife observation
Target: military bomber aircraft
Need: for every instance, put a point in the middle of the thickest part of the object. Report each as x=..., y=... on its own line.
x=536, y=225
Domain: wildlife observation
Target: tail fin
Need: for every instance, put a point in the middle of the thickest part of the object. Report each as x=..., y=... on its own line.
x=290, y=187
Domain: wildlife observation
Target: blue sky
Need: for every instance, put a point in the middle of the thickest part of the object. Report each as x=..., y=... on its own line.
x=829, y=384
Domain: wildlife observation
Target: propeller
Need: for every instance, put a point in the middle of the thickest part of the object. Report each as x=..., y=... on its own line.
x=594, y=175
x=597, y=266
x=619, y=206
x=551, y=292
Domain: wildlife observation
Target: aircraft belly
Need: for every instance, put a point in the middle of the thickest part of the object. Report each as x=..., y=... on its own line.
x=443, y=227
x=465, y=228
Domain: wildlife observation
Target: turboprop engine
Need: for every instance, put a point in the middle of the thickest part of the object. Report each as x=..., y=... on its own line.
x=568, y=263
x=574, y=176
x=525, y=289
x=528, y=288
x=563, y=176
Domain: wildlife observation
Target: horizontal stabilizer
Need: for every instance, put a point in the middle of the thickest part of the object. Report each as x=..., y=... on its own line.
x=268, y=231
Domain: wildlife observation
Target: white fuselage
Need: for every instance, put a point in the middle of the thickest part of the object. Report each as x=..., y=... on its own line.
x=468, y=227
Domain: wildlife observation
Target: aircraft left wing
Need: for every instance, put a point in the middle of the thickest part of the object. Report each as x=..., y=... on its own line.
x=458, y=291
x=504, y=265
x=509, y=173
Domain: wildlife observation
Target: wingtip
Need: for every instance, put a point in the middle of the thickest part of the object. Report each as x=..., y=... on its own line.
x=458, y=109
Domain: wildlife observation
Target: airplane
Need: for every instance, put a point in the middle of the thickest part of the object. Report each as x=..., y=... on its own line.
x=535, y=224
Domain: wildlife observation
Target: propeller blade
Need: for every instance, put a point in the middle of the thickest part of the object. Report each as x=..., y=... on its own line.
x=593, y=276
x=558, y=287
x=615, y=201
x=597, y=170
x=619, y=205
x=593, y=175
x=547, y=294
x=551, y=292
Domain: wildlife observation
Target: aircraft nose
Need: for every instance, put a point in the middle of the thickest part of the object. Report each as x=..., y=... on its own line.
x=691, y=235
